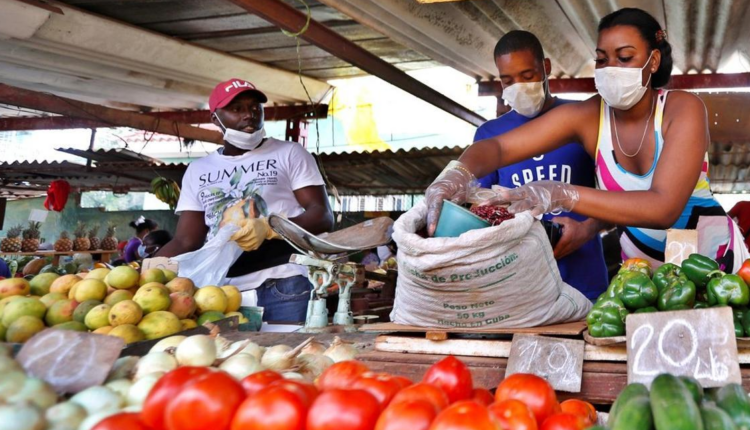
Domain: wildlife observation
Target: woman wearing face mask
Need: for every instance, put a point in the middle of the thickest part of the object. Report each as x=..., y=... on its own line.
x=153, y=242
x=142, y=227
x=649, y=147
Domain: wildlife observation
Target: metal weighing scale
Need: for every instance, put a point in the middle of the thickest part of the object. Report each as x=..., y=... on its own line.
x=321, y=255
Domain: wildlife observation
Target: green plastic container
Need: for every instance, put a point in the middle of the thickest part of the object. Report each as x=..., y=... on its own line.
x=455, y=221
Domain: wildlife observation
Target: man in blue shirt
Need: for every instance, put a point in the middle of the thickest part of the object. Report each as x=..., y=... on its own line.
x=523, y=73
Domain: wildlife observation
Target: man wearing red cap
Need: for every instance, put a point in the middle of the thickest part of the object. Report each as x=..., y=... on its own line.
x=247, y=179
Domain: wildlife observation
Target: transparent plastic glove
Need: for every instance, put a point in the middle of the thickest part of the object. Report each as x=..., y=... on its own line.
x=252, y=233
x=455, y=183
x=539, y=198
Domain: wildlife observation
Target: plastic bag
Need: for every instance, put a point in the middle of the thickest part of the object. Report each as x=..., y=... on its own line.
x=210, y=264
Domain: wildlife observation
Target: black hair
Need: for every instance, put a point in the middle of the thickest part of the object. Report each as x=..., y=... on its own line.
x=651, y=32
x=141, y=226
x=519, y=40
x=158, y=237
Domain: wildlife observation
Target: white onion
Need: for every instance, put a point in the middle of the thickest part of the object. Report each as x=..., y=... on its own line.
x=123, y=368
x=312, y=365
x=11, y=383
x=198, y=350
x=241, y=365
x=94, y=419
x=120, y=386
x=139, y=391
x=155, y=362
x=294, y=376
x=222, y=345
x=65, y=416
x=133, y=408
x=341, y=351
x=98, y=399
x=243, y=347
x=20, y=417
x=36, y=392
x=168, y=342
x=281, y=357
x=314, y=347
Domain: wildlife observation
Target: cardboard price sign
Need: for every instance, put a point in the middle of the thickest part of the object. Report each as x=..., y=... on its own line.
x=680, y=244
x=699, y=343
x=70, y=361
x=160, y=263
x=559, y=361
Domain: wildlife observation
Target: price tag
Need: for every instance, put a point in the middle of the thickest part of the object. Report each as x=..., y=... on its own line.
x=680, y=244
x=70, y=361
x=159, y=263
x=559, y=361
x=699, y=343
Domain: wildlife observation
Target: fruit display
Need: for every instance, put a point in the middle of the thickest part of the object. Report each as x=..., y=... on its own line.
x=63, y=243
x=12, y=241
x=166, y=190
x=31, y=237
x=81, y=242
x=109, y=243
x=697, y=283
x=94, y=242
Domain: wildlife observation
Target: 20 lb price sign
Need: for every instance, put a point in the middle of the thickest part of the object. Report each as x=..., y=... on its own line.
x=699, y=343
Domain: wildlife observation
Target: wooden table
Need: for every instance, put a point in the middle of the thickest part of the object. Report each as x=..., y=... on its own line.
x=106, y=255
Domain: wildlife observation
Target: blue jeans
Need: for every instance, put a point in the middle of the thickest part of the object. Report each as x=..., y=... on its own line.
x=284, y=300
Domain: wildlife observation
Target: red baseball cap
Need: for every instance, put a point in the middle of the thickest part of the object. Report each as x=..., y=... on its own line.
x=223, y=93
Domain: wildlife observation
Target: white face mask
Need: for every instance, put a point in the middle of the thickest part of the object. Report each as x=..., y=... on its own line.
x=621, y=87
x=526, y=98
x=240, y=139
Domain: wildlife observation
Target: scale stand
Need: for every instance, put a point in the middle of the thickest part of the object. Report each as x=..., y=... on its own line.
x=320, y=255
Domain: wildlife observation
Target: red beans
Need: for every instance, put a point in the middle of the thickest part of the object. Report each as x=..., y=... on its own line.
x=495, y=215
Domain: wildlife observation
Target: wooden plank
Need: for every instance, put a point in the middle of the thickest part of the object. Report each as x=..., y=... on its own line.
x=566, y=329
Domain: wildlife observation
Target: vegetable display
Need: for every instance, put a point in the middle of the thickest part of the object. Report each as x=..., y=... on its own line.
x=495, y=215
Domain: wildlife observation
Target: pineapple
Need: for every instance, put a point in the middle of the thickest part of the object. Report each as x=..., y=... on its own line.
x=31, y=237
x=12, y=243
x=64, y=244
x=82, y=242
x=93, y=239
x=109, y=243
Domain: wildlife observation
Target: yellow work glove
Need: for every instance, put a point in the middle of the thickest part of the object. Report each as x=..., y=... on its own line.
x=252, y=233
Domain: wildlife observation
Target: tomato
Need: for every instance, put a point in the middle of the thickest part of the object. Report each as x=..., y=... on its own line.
x=532, y=390
x=341, y=375
x=465, y=415
x=452, y=376
x=306, y=391
x=122, y=421
x=168, y=386
x=583, y=409
x=482, y=396
x=273, y=407
x=207, y=403
x=403, y=381
x=259, y=380
x=381, y=385
x=423, y=391
x=343, y=409
x=564, y=421
x=407, y=415
x=513, y=415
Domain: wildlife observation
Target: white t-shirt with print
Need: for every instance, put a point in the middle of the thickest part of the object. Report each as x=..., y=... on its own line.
x=257, y=183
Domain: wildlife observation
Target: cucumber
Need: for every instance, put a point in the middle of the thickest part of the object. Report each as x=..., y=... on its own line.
x=714, y=418
x=673, y=406
x=634, y=415
x=733, y=400
x=627, y=393
x=694, y=387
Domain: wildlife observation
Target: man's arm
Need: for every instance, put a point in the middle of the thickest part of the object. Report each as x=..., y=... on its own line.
x=317, y=217
x=190, y=235
x=576, y=233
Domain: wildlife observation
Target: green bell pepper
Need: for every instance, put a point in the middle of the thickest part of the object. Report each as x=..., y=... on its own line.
x=636, y=265
x=615, y=286
x=664, y=274
x=727, y=290
x=700, y=305
x=697, y=267
x=646, y=310
x=637, y=290
x=607, y=318
x=679, y=295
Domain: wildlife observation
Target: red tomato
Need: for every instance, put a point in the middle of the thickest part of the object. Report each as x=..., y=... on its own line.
x=341, y=375
x=423, y=391
x=258, y=381
x=452, y=376
x=407, y=415
x=465, y=415
x=343, y=409
x=532, y=390
x=583, y=409
x=403, y=381
x=513, y=415
x=207, y=403
x=381, y=385
x=564, y=421
x=273, y=407
x=306, y=391
x=482, y=396
x=168, y=386
x=122, y=421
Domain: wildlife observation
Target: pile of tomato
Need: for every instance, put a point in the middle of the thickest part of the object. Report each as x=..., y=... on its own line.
x=348, y=396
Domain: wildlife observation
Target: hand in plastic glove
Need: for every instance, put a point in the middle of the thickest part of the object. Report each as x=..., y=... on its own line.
x=252, y=233
x=539, y=197
x=454, y=184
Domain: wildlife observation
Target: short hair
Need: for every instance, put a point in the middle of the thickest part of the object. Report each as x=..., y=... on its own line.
x=158, y=237
x=519, y=40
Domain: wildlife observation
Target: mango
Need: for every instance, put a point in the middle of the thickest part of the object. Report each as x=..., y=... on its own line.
x=153, y=297
x=128, y=332
x=168, y=274
x=181, y=285
x=125, y=312
x=159, y=324
x=64, y=283
x=23, y=329
x=103, y=330
x=60, y=312
x=122, y=278
x=40, y=284
x=98, y=274
x=97, y=317
x=14, y=287
x=72, y=325
x=50, y=298
x=118, y=296
x=152, y=275
x=188, y=324
x=210, y=316
x=25, y=306
x=183, y=305
x=82, y=309
x=234, y=298
x=90, y=289
x=211, y=298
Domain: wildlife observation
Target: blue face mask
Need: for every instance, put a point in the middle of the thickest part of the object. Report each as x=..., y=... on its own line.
x=142, y=251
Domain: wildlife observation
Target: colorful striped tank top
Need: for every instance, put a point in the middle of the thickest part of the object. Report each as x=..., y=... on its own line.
x=643, y=242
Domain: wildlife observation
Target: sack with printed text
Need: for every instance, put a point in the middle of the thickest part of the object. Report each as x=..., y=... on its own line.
x=210, y=264
x=496, y=277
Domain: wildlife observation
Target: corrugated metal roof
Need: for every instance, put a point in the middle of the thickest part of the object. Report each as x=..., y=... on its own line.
x=110, y=155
